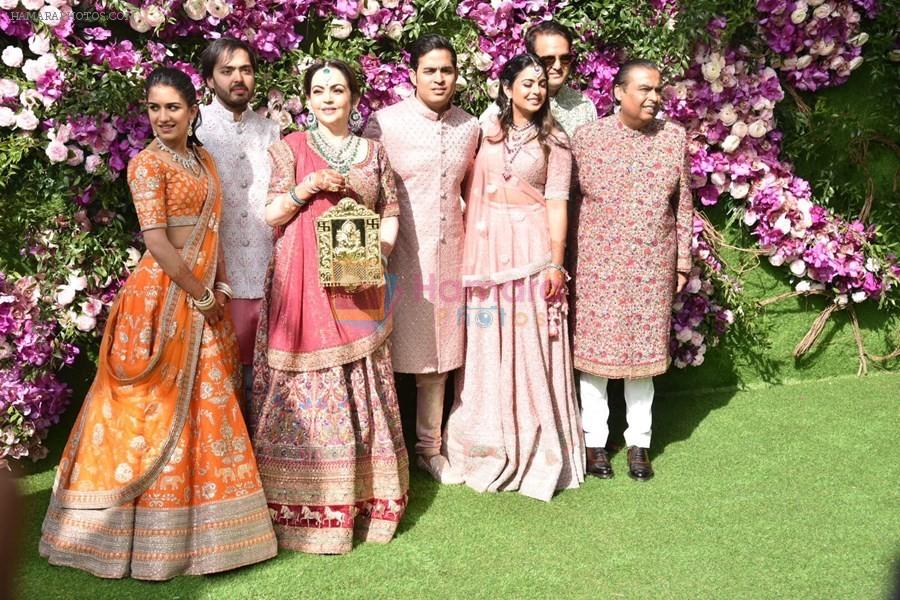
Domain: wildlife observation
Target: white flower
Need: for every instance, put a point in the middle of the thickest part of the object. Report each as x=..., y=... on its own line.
x=493, y=87
x=218, y=8
x=799, y=15
x=35, y=68
x=841, y=299
x=684, y=335
x=390, y=3
x=91, y=307
x=56, y=151
x=50, y=15
x=39, y=43
x=718, y=178
x=65, y=295
x=32, y=4
x=872, y=265
x=154, y=15
x=8, y=88
x=757, y=129
x=856, y=62
x=859, y=39
x=738, y=191
x=693, y=285
x=340, y=29
x=194, y=9
x=783, y=224
x=26, y=120
x=394, y=30
x=461, y=82
x=776, y=260
x=822, y=11
x=369, y=7
x=731, y=143
x=8, y=4
x=7, y=117
x=77, y=281
x=12, y=57
x=134, y=256
x=77, y=156
x=814, y=2
x=482, y=61
x=739, y=129
x=85, y=322
x=804, y=61
x=713, y=66
x=798, y=267
x=803, y=286
x=698, y=360
x=138, y=22
x=717, y=87
x=728, y=115
x=859, y=296
x=750, y=218
x=31, y=99
x=728, y=315
x=697, y=339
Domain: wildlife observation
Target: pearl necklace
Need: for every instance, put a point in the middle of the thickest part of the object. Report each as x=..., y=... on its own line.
x=340, y=159
x=190, y=162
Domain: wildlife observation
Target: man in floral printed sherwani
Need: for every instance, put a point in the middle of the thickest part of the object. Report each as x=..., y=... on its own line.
x=430, y=144
x=634, y=243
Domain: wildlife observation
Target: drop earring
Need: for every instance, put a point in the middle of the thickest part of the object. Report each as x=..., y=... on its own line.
x=355, y=120
x=311, y=121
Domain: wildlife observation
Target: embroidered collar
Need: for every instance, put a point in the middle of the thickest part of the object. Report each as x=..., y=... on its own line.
x=426, y=112
x=225, y=114
x=651, y=128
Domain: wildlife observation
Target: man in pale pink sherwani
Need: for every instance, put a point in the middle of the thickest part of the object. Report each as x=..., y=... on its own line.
x=430, y=144
x=238, y=140
x=634, y=253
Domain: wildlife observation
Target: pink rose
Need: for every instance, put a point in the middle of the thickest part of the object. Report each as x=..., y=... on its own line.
x=57, y=151
x=92, y=163
x=26, y=120
x=8, y=88
x=77, y=156
x=7, y=117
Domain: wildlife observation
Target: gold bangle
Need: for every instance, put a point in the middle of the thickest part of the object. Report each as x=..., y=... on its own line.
x=223, y=287
x=206, y=302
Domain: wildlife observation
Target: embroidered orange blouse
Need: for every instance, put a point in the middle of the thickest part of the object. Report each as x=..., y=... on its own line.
x=166, y=195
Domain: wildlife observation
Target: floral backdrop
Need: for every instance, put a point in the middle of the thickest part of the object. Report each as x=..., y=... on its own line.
x=70, y=120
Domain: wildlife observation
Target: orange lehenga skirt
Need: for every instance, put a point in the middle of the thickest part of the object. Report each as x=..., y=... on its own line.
x=158, y=478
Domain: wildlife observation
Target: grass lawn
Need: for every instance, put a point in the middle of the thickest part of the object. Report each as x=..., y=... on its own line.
x=781, y=492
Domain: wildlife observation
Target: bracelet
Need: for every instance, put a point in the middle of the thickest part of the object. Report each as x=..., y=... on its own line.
x=206, y=302
x=559, y=268
x=223, y=287
x=295, y=198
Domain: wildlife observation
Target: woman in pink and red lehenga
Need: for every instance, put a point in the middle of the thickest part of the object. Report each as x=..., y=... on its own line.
x=515, y=423
x=324, y=418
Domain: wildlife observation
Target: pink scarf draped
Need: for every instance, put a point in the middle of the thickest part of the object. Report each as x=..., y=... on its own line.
x=507, y=232
x=311, y=327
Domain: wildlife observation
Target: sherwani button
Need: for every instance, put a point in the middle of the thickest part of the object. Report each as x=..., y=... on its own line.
x=244, y=213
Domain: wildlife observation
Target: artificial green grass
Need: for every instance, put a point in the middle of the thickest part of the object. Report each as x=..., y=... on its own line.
x=775, y=492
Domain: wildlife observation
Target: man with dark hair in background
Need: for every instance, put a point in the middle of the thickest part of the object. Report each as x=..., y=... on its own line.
x=552, y=43
x=238, y=140
x=430, y=143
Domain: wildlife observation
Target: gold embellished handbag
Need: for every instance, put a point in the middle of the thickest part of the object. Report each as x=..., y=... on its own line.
x=348, y=239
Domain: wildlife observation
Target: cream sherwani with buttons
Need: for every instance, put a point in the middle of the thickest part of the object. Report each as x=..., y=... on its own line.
x=240, y=151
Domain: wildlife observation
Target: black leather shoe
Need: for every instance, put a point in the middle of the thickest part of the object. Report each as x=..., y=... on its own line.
x=639, y=467
x=598, y=463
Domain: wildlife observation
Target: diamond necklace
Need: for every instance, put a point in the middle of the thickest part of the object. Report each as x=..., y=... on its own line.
x=190, y=163
x=340, y=159
x=514, y=141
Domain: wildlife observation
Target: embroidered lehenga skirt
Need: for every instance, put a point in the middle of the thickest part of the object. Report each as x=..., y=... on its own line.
x=331, y=453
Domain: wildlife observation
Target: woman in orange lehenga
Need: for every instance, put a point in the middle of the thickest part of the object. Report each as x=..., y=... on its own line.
x=158, y=478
